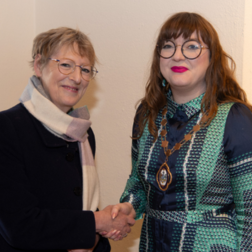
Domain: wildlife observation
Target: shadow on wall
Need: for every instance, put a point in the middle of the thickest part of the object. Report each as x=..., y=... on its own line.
x=130, y=241
x=89, y=97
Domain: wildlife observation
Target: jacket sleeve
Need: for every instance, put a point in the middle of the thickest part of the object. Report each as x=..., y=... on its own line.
x=134, y=192
x=238, y=148
x=24, y=224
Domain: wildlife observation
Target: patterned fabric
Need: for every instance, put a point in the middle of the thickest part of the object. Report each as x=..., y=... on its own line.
x=208, y=206
x=70, y=127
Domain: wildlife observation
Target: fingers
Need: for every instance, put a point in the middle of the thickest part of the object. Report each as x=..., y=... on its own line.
x=126, y=208
x=115, y=210
x=133, y=213
x=131, y=221
x=119, y=237
x=109, y=234
x=131, y=210
x=103, y=233
x=118, y=217
x=113, y=235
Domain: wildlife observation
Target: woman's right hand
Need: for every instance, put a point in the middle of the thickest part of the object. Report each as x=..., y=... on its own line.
x=115, y=228
x=124, y=208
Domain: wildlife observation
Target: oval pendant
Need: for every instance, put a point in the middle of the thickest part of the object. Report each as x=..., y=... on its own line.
x=164, y=177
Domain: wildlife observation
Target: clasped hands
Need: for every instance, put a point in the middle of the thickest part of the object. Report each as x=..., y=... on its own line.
x=113, y=222
x=117, y=221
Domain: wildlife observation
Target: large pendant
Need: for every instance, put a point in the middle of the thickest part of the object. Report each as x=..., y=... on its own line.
x=164, y=177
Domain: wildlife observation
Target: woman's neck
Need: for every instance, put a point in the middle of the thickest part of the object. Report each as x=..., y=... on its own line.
x=184, y=96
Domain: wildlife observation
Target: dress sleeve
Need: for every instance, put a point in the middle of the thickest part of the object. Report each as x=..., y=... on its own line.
x=134, y=192
x=25, y=224
x=238, y=149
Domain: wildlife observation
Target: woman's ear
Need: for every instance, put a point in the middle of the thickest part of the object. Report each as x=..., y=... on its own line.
x=37, y=65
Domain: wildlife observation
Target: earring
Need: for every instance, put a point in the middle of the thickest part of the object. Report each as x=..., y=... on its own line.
x=164, y=83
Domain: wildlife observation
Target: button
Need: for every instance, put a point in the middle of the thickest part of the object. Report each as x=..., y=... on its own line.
x=78, y=191
x=69, y=156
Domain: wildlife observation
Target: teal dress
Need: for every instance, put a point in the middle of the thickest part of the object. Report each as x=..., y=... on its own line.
x=208, y=205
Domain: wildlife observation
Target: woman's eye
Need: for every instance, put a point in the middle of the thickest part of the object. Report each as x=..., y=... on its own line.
x=65, y=65
x=168, y=46
x=85, y=70
x=192, y=47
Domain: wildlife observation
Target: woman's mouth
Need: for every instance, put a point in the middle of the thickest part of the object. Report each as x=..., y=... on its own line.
x=72, y=89
x=177, y=69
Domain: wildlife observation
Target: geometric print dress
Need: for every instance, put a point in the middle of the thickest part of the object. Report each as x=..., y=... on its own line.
x=208, y=205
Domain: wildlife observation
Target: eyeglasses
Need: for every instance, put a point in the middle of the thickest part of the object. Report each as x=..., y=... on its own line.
x=67, y=66
x=191, y=49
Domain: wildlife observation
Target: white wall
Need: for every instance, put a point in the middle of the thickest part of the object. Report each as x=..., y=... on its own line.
x=16, y=35
x=246, y=50
x=123, y=34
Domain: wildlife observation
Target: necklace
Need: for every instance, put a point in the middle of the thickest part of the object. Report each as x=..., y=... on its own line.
x=164, y=176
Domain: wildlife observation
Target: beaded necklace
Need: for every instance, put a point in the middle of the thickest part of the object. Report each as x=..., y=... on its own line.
x=164, y=176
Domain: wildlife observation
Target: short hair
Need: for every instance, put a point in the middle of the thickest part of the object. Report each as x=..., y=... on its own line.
x=46, y=43
x=221, y=85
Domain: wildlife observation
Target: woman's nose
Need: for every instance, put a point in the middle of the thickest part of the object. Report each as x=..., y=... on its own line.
x=178, y=55
x=76, y=75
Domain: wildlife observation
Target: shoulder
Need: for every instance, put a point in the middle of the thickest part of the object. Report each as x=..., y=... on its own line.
x=14, y=117
x=239, y=116
x=13, y=110
x=238, y=131
x=16, y=113
x=20, y=120
x=11, y=131
x=135, y=130
x=234, y=114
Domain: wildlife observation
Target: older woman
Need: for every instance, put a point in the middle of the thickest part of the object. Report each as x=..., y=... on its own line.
x=49, y=188
x=192, y=151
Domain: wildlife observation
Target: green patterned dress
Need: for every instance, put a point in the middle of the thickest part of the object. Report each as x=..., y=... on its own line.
x=208, y=205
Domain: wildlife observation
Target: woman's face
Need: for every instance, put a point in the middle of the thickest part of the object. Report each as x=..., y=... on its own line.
x=184, y=75
x=64, y=90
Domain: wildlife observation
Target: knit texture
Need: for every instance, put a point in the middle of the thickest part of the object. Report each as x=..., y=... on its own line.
x=197, y=212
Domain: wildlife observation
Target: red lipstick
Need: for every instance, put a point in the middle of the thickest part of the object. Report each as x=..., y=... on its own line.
x=177, y=69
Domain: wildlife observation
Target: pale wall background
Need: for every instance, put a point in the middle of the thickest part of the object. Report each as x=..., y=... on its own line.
x=123, y=34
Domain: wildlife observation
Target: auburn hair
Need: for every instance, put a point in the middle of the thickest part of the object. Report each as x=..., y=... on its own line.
x=221, y=85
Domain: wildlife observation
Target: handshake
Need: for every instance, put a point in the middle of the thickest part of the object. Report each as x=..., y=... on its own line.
x=115, y=222
x=112, y=222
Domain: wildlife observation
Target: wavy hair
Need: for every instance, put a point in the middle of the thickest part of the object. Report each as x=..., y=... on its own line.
x=46, y=43
x=221, y=85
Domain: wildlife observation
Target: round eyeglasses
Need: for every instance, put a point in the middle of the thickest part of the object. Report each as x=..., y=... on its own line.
x=191, y=49
x=67, y=66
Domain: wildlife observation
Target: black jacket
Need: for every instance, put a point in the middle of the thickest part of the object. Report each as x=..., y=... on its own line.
x=41, y=188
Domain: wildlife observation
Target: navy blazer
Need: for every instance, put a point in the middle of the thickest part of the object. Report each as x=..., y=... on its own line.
x=41, y=188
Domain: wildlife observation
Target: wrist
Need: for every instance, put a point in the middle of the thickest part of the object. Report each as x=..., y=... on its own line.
x=98, y=224
x=129, y=204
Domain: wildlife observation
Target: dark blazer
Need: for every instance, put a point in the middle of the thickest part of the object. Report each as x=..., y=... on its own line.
x=41, y=188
